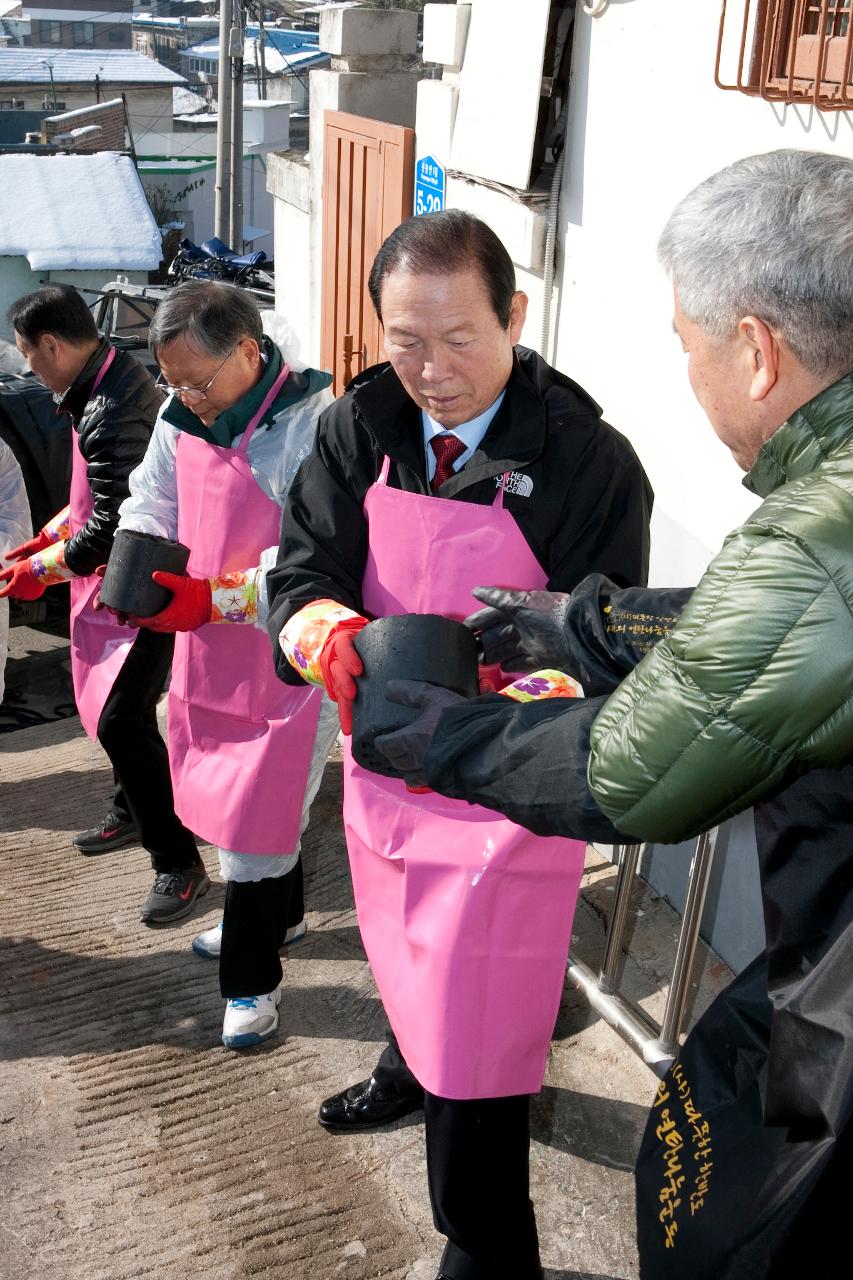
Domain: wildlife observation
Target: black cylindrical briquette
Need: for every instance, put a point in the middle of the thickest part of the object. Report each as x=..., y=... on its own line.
x=127, y=585
x=406, y=646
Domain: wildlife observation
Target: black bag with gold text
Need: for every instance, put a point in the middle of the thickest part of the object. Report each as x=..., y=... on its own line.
x=744, y=1169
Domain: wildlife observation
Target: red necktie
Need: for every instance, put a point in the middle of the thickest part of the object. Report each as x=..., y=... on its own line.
x=446, y=449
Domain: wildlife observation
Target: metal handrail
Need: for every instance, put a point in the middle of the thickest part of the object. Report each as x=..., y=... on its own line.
x=657, y=1044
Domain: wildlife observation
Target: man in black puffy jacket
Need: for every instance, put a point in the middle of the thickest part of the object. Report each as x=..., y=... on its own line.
x=113, y=403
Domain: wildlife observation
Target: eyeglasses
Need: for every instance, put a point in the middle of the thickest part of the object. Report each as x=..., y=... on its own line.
x=193, y=395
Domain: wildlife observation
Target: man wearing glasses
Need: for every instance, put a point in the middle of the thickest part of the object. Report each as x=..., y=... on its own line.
x=118, y=677
x=246, y=752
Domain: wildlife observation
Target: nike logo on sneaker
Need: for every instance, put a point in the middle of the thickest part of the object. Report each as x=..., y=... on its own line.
x=183, y=896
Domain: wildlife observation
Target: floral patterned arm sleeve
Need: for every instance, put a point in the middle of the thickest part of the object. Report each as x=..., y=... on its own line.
x=57, y=528
x=540, y=685
x=303, y=636
x=49, y=567
x=234, y=596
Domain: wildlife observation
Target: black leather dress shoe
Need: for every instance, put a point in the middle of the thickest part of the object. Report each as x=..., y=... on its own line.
x=366, y=1105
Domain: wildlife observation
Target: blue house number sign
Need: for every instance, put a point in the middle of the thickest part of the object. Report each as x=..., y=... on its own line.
x=429, y=186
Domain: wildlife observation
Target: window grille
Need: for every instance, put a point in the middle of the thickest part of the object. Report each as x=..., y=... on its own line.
x=790, y=50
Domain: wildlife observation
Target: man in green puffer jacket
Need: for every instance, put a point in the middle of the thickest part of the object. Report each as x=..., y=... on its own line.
x=748, y=700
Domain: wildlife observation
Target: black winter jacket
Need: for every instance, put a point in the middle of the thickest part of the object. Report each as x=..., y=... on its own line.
x=577, y=489
x=114, y=428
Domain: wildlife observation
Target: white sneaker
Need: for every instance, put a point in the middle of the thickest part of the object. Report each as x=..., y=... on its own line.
x=295, y=934
x=209, y=943
x=250, y=1020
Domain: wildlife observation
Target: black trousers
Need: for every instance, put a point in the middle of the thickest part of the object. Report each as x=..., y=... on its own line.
x=128, y=732
x=479, y=1177
x=257, y=916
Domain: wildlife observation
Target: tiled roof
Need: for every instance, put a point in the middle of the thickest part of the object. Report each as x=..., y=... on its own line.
x=70, y=66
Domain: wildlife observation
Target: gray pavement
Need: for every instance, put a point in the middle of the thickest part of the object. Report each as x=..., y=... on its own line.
x=132, y=1144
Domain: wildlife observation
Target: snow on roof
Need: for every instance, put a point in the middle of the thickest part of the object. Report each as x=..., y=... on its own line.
x=8, y=8
x=76, y=213
x=155, y=20
x=186, y=102
x=332, y=4
x=84, y=111
x=276, y=62
x=287, y=41
x=119, y=66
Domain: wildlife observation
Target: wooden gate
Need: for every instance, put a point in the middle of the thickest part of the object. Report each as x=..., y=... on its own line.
x=368, y=177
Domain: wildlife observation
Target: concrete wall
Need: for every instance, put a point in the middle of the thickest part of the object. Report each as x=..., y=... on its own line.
x=628, y=165
x=147, y=107
x=289, y=184
x=17, y=277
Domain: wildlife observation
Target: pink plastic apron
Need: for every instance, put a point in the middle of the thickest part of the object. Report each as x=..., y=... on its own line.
x=465, y=916
x=240, y=740
x=99, y=645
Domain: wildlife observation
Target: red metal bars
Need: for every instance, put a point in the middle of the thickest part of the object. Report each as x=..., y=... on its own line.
x=796, y=51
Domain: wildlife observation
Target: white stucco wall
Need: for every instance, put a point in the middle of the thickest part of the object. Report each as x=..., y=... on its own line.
x=647, y=123
x=293, y=274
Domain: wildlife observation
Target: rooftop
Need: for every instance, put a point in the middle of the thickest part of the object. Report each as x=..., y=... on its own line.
x=71, y=66
x=112, y=226
x=277, y=60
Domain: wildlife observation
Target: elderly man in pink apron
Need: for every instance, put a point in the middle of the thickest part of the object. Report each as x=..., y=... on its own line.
x=246, y=753
x=465, y=459
x=118, y=674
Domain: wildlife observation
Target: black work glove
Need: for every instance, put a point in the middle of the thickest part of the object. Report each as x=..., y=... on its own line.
x=405, y=749
x=522, y=630
x=597, y=634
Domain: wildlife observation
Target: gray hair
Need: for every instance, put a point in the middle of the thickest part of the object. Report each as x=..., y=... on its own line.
x=771, y=236
x=211, y=317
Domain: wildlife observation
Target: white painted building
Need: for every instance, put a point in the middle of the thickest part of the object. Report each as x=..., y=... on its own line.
x=57, y=79
x=184, y=162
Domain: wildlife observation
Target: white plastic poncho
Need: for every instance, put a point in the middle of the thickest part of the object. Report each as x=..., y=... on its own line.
x=15, y=528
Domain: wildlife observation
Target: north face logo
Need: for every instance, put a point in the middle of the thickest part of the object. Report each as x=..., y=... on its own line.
x=517, y=483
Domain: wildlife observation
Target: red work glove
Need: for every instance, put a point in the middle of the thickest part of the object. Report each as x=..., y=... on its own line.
x=189, y=608
x=20, y=583
x=339, y=665
x=27, y=549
